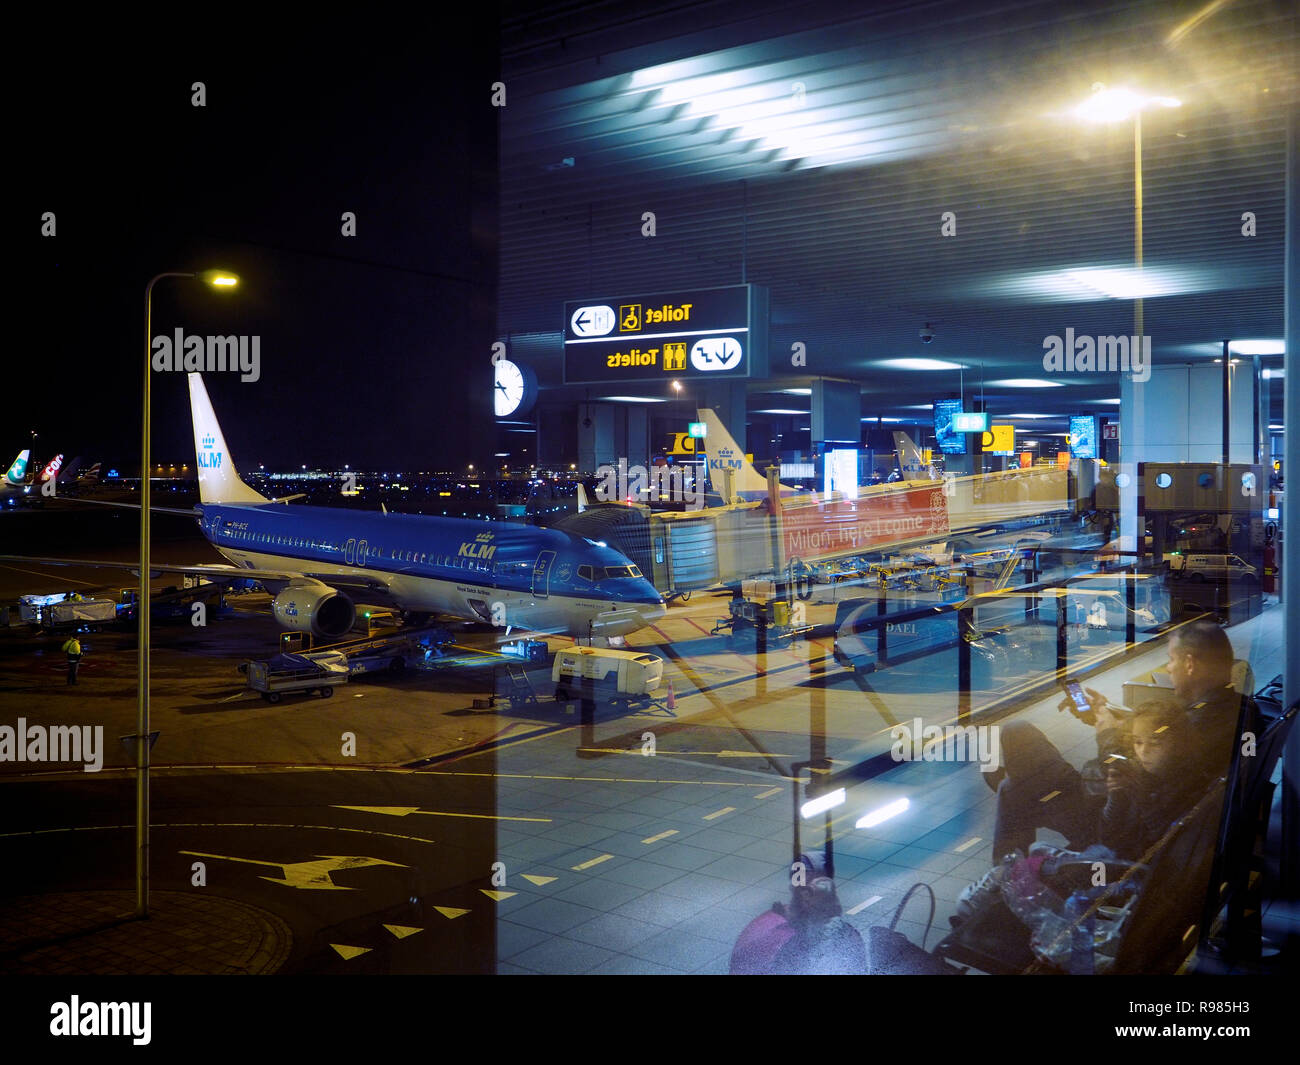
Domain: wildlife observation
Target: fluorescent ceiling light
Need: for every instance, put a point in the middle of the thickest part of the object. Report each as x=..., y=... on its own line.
x=1032, y=415
x=631, y=399
x=880, y=419
x=780, y=410
x=1276, y=428
x=1027, y=382
x=1113, y=402
x=1258, y=347
x=884, y=813
x=796, y=391
x=1088, y=284
x=822, y=803
x=920, y=406
x=919, y=364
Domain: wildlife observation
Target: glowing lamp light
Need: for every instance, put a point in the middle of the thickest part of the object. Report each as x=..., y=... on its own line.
x=1115, y=105
x=223, y=279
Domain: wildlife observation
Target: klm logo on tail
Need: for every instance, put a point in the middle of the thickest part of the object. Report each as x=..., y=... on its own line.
x=208, y=458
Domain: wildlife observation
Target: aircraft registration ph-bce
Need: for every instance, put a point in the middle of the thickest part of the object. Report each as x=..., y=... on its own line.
x=318, y=562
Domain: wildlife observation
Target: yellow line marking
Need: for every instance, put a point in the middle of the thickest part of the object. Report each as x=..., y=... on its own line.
x=863, y=905
x=596, y=780
x=215, y=824
x=594, y=861
x=401, y=931
x=498, y=896
x=403, y=811
x=540, y=881
x=968, y=844
x=348, y=953
x=307, y=876
x=719, y=813
x=662, y=835
x=1049, y=796
x=769, y=793
x=450, y=912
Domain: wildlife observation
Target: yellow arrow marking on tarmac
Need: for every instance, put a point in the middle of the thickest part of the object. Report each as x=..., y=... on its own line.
x=968, y=844
x=450, y=912
x=498, y=896
x=594, y=861
x=403, y=811
x=540, y=881
x=348, y=953
x=401, y=931
x=662, y=835
x=719, y=813
x=309, y=876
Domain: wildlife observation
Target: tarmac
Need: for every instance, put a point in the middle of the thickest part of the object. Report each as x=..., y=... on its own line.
x=95, y=933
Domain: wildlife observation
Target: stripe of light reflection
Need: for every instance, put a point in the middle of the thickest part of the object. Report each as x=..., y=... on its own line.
x=822, y=803
x=884, y=813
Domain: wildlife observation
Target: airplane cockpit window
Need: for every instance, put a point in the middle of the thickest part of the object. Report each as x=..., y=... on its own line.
x=585, y=573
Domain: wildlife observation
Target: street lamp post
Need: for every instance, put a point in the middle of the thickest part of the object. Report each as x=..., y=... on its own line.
x=218, y=279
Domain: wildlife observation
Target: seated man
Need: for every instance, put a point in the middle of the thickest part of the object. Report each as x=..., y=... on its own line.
x=1200, y=666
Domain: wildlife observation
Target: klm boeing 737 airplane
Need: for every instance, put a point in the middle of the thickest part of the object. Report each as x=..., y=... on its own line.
x=318, y=562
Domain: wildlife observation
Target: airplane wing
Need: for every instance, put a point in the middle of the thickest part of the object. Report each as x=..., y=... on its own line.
x=375, y=589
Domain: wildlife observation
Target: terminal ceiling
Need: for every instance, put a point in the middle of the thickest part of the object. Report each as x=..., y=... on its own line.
x=814, y=148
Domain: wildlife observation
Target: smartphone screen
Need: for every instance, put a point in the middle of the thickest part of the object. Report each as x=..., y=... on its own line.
x=1075, y=691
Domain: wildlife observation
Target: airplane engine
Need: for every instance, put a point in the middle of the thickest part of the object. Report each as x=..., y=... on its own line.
x=311, y=606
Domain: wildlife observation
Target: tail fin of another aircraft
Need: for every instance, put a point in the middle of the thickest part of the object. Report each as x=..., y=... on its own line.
x=91, y=476
x=582, y=498
x=69, y=472
x=18, y=471
x=724, y=453
x=910, y=460
x=218, y=479
x=51, y=469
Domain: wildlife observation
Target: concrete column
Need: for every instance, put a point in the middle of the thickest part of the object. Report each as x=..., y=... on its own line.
x=728, y=399
x=596, y=444
x=638, y=436
x=836, y=411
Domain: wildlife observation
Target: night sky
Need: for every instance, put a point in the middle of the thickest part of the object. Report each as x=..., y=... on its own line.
x=374, y=349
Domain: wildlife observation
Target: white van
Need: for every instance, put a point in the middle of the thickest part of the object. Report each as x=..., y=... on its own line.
x=1212, y=567
x=605, y=672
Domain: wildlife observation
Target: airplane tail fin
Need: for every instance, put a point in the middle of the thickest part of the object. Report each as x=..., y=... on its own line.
x=218, y=479
x=724, y=453
x=18, y=471
x=911, y=462
x=582, y=498
x=51, y=469
x=69, y=472
x=91, y=476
